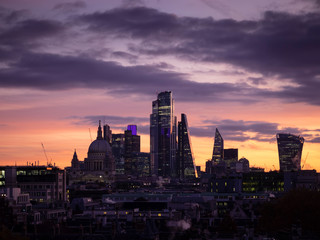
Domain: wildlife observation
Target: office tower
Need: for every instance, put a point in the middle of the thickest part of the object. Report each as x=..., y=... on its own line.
x=290, y=150
x=107, y=133
x=163, y=143
x=230, y=157
x=217, y=155
x=185, y=160
x=131, y=145
x=118, y=152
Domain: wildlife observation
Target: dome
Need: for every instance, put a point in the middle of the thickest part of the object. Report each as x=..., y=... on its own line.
x=99, y=146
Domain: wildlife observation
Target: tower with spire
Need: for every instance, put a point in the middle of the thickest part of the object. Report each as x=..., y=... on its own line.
x=75, y=160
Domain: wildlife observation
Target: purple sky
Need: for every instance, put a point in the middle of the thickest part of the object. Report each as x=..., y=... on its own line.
x=250, y=68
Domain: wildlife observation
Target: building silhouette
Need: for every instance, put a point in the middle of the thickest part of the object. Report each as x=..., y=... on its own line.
x=132, y=145
x=217, y=155
x=118, y=151
x=290, y=151
x=163, y=143
x=230, y=157
x=100, y=158
x=185, y=159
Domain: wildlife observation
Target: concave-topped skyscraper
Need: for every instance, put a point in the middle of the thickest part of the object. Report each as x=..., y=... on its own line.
x=163, y=143
x=185, y=159
x=217, y=155
x=290, y=151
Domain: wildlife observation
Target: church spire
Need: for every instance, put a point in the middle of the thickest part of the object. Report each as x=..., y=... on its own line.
x=75, y=160
x=99, y=136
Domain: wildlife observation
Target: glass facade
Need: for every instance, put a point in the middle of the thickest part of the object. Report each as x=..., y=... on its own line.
x=217, y=155
x=163, y=136
x=118, y=151
x=185, y=159
x=290, y=151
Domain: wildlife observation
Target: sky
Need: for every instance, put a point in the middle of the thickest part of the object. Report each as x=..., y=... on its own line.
x=249, y=68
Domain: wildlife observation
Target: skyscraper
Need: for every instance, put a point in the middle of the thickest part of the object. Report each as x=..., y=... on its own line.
x=217, y=155
x=132, y=145
x=290, y=151
x=230, y=157
x=163, y=143
x=185, y=160
x=118, y=150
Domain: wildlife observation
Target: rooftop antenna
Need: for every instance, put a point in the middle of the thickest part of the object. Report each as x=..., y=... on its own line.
x=90, y=134
x=44, y=150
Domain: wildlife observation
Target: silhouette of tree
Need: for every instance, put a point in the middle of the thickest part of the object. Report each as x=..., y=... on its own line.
x=298, y=209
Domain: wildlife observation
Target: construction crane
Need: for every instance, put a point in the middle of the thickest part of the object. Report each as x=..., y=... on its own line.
x=44, y=150
x=305, y=160
x=90, y=134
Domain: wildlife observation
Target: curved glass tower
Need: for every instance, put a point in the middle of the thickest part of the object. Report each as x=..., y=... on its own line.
x=290, y=151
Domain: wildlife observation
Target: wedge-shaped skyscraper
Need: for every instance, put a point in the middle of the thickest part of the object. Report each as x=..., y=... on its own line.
x=185, y=159
x=217, y=155
x=290, y=151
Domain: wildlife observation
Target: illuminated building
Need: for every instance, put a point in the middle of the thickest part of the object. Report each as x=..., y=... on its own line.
x=118, y=152
x=131, y=145
x=217, y=155
x=163, y=143
x=290, y=150
x=185, y=160
x=43, y=183
x=142, y=164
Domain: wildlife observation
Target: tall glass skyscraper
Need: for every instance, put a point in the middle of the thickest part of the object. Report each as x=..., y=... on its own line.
x=163, y=143
x=185, y=159
x=217, y=155
x=290, y=151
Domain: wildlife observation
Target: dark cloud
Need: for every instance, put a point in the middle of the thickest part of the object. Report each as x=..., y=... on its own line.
x=125, y=55
x=315, y=140
x=242, y=130
x=55, y=72
x=115, y=122
x=23, y=36
x=132, y=3
x=70, y=6
x=10, y=16
x=279, y=46
x=30, y=30
x=109, y=119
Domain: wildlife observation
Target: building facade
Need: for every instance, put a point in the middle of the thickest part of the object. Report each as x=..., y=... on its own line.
x=290, y=151
x=163, y=143
x=42, y=183
x=131, y=146
x=185, y=159
x=217, y=154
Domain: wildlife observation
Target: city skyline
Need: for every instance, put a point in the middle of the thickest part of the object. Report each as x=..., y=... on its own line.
x=250, y=70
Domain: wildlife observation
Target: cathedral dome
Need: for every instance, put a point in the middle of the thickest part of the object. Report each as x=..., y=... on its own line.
x=99, y=146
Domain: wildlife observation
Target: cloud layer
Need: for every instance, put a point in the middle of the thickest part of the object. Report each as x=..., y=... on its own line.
x=283, y=48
